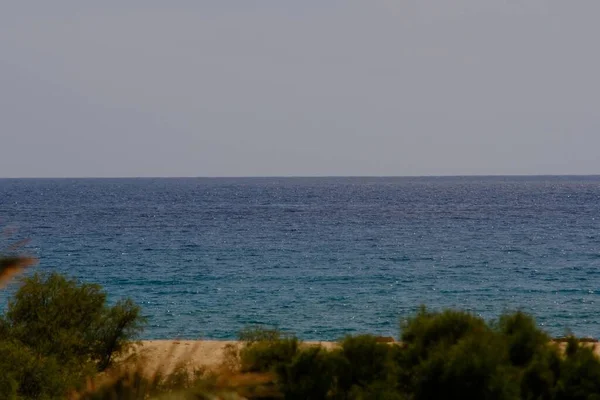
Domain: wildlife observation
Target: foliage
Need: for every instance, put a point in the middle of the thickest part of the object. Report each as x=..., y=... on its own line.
x=532, y=352
x=57, y=316
x=309, y=375
x=114, y=330
x=61, y=332
x=523, y=337
x=448, y=354
x=265, y=350
x=426, y=332
x=25, y=375
x=136, y=385
x=365, y=368
x=454, y=354
x=580, y=374
x=180, y=384
x=254, y=334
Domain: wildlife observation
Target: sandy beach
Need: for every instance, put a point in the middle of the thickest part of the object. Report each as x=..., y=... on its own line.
x=165, y=355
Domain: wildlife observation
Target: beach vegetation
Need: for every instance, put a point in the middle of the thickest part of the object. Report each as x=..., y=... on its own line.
x=60, y=332
x=445, y=354
x=579, y=376
x=308, y=375
x=365, y=368
x=265, y=350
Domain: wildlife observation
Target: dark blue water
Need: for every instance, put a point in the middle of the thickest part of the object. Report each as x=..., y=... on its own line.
x=321, y=257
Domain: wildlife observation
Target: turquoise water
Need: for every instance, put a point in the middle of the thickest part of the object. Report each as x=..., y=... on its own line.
x=321, y=257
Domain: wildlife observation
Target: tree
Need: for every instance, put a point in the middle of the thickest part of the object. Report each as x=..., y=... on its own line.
x=59, y=317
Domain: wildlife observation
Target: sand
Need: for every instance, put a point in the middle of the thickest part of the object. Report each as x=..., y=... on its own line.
x=165, y=355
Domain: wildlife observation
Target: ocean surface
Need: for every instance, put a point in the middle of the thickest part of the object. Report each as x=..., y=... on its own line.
x=320, y=257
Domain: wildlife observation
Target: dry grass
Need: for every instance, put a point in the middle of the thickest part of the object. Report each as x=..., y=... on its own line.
x=171, y=371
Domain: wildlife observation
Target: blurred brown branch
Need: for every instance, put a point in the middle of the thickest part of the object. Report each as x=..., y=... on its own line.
x=11, y=264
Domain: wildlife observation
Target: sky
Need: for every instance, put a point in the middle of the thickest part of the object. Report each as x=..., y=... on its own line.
x=299, y=88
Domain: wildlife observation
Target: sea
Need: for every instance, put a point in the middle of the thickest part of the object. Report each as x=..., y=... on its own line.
x=318, y=257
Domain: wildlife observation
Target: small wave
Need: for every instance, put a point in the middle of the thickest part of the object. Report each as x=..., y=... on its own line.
x=515, y=251
x=464, y=266
x=395, y=259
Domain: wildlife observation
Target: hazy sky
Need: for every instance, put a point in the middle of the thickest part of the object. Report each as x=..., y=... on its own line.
x=303, y=87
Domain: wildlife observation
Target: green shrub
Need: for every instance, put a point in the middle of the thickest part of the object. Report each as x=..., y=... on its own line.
x=115, y=328
x=265, y=349
x=579, y=373
x=427, y=331
x=253, y=334
x=56, y=316
x=530, y=349
x=23, y=374
x=266, y=352
x=539, y=377
x=309, y=375
x=524, y=338
x=365, y=368
x=476, y=367
x=56, y=332
x=454, y=354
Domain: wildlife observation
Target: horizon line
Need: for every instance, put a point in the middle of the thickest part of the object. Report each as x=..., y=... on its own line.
x=306, y=176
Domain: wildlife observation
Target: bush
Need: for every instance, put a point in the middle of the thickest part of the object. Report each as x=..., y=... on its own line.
x=579, y=373
x=265, y=350
x=57, y=316
x=531, y=350
x=55, y=333
x=476, y=367
x=455, y=354
x=428, y=330
x=25, y=375
x=267, y=356
x=524, y=338
x=365, y=368
x=449, y=354
x=539, y=377
x=114, y=330
x=427, y=338
x=309, y=375
x=253, y=334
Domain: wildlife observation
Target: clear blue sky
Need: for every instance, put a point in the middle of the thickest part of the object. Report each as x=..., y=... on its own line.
x=311, y=87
